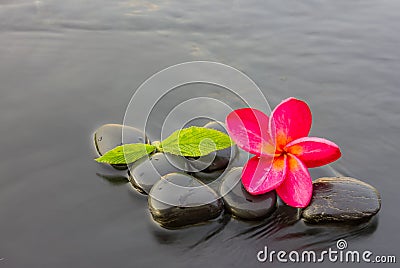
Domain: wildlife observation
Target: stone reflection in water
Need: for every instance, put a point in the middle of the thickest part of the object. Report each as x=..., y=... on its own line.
x=192, y=236
x=283, y=217
x=320, y=237
x=114, y=179
x=110, y=175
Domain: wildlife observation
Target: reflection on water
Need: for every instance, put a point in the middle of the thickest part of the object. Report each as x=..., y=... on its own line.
x=309, y=237
x=284, y=228
x=188, y=238
x=114, y=179
x=282, y=218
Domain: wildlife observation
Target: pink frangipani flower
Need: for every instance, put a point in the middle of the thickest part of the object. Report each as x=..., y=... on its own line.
x=283, y=152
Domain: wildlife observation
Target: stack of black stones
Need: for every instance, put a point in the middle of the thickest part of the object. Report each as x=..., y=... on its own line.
x=211, y=186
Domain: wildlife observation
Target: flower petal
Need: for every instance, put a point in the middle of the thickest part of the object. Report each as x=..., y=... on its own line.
x=290, y=120
x=314, y=152
x=249, y=129
x=263, y=174
x=296, y=189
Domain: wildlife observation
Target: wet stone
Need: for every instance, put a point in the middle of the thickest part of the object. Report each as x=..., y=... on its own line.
x=222, y=157
x=178, y=200
x=242, y=204
x=182, y=163
x=211, y=166
x=213, y=179
x=240, y=159
x=211, y=162
x=208, y=177
x=342, y=199
x=109, y=136
x=145, y=172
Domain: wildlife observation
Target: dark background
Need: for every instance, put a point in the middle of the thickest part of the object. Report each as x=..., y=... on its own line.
x=66, y=67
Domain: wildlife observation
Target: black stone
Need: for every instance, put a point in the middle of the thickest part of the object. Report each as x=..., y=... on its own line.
x=109, y=136
x=216, y=125
x=213, y=179
x=178, y=200
x=240, y=159
x=208, y=177
x=342, y=199
x=242, y=204
x=222, y=157
x=145, y=172
x=212, y=166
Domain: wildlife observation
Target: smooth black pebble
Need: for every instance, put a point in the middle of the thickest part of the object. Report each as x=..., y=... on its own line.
x=179, y=200
x=242, y=204
x=145, y=172
x=219, y=159
x=342, y=199
x=239, y=160
x=109, y=136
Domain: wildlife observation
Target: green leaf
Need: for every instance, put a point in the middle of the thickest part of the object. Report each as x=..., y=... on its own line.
x=195, y=141
x=126, y=153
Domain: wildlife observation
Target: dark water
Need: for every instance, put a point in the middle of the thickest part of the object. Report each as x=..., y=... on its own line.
x=66, y=67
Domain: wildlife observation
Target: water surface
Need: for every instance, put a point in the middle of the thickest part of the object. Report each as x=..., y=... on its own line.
x=67, y=67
